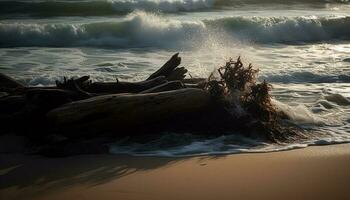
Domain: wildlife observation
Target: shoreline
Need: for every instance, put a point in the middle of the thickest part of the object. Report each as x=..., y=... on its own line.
x=317, y=172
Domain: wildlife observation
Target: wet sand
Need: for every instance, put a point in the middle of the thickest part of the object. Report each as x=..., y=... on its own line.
x=321, y=172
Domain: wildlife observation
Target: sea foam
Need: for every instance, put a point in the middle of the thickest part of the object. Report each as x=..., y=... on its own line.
x=142, y=29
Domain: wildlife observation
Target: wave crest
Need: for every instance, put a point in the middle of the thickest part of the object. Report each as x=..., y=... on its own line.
x=284, y=29
x=141, y=29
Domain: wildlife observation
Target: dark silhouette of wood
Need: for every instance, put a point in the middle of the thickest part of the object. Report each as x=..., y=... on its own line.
x=167, y=101
x=126, y=111
x=172, y=85
x=124, y=87
x=168, y=68
x=194, y=80
x=7, y=82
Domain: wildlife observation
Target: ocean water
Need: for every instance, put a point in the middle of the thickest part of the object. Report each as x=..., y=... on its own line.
x=302, y=47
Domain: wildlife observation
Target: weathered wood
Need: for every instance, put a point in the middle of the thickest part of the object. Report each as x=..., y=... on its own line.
x=172, y=85
x=194, y=80
x=75, y=85
x=48, y=95
x=82, y=80
x=8, y=82
x=35, y=102
x=168, y=68
x=124, y=87
x=199, y=86
x=179, y=73
x=30, y=105
x=125, y=111
x=195, y=83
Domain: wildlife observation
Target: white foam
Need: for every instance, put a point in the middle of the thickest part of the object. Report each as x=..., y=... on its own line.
x=299, y=114
x=161, y=5
x=142, y=29
x=227, y=144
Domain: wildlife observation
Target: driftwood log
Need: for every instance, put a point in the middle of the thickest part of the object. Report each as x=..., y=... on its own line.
x=119, y=112
x=166, y=101
x=170, y=70
x=99, y=106
x=7, y=82
x=124, y=87
x=168, y=86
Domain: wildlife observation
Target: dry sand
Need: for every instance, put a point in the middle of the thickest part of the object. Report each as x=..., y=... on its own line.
x=313, y=173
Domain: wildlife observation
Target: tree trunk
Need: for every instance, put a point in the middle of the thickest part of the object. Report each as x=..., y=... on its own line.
x=124, y=87
x=171, y=85
x=115, y=112
x=6, y=81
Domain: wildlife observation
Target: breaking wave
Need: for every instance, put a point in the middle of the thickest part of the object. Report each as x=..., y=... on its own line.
x=141, y=29
x=284, y=29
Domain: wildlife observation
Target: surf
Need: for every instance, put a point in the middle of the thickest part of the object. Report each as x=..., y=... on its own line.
x=143, y=29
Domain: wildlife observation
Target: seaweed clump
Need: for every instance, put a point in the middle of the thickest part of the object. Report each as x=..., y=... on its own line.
x=236, y=86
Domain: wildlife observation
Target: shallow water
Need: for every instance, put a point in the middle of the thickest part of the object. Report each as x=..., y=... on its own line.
x=301, y=47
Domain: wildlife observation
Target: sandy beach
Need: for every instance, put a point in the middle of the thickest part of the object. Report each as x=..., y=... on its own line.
x=320, y=172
